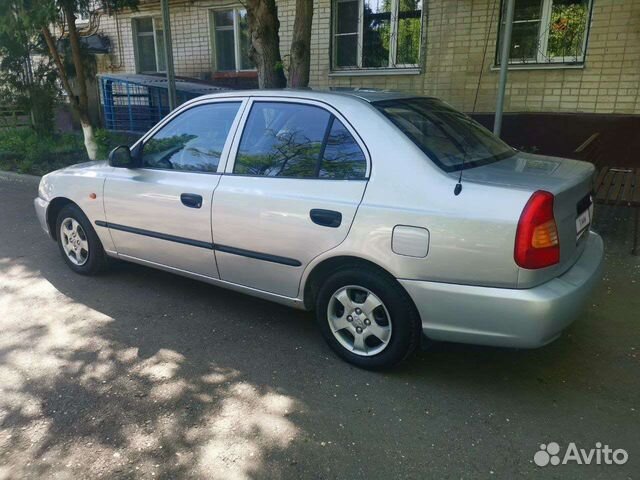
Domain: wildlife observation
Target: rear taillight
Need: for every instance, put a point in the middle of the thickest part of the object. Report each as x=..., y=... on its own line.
x=537, y=244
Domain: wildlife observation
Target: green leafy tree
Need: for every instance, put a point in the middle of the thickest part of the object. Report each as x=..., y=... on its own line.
x=28, y=85
x=55, y=22
x=567, y=29
x=409, y=30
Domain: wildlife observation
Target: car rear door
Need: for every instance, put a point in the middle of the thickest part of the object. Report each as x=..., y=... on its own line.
x=290, y=192
x=161, y=212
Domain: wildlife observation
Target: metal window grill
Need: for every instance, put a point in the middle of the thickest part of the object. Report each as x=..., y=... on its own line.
x=135, y=103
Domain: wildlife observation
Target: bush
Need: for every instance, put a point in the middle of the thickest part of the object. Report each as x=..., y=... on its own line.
x=22, y=150
x=108, y=140
x=41, y=102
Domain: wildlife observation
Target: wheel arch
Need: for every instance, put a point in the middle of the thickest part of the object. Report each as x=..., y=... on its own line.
x=55, y=206
x=327, y=266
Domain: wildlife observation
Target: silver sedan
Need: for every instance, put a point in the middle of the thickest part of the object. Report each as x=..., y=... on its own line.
x=396, y=218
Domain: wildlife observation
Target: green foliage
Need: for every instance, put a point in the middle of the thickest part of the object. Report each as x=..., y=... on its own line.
x=23, y=150
x=102, y=138
x=108, y=140
x=409, y=31
x=567, y=29
x=33, y=85
x=25, y=84
x=377, y=36
x=41, y=100
x=377, y=33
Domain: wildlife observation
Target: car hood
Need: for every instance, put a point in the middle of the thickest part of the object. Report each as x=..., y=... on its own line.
x=67, y=181
x=531, y=172
x=86, y=166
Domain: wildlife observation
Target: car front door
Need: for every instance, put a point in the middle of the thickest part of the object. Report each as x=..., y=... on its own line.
x=298, y=174
x=161, y=212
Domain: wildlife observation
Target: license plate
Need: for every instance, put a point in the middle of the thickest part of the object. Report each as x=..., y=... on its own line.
x=582, y=223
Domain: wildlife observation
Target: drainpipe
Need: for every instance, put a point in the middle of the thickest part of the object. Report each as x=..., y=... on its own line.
x=504, y=66
x=168, y=53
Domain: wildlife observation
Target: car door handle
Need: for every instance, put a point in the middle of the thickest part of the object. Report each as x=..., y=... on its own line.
x=191, y=200
x=326, y=218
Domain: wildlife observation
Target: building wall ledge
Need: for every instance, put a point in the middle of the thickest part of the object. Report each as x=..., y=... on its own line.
x=375, y=72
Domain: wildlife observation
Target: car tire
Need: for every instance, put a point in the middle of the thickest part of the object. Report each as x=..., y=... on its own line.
x=397, y=327
x=78, y=242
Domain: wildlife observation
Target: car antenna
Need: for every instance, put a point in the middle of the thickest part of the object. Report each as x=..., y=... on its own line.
x=458, y=188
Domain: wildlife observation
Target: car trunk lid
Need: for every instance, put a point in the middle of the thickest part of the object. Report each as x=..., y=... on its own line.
x=570, y=181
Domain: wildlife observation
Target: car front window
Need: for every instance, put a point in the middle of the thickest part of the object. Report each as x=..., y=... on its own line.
x=451, y=139
x=193, y=141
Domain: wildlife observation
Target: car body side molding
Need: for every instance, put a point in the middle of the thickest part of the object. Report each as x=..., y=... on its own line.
x=161, y=236
x=197, y=243
x=292, y=262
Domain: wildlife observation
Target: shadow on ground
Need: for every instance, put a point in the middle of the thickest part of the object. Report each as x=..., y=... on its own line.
x=141, y=374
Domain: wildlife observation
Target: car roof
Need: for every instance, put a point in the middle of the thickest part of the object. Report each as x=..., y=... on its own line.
x=372, y=94
x=367, y=94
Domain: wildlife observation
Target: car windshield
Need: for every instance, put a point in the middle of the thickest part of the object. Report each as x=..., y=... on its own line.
x=451, y=139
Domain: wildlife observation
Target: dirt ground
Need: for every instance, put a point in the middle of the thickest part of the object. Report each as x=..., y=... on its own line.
x=142, y=374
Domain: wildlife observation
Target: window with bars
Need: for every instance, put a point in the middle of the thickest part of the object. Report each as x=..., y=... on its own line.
x=230, y=40
x=376, y=34
x=547, y=31
x=148, y=34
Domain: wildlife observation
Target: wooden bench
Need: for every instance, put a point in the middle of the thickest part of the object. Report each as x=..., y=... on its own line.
x=620, y=187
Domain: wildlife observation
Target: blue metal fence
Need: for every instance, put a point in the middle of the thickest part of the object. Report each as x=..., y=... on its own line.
x=134, y=103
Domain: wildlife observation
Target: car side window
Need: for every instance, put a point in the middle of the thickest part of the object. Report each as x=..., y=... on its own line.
x=193, y=141
x=342, y=157
x=282, y=139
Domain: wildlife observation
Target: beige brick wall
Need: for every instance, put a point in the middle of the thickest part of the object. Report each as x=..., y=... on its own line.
x=456, y=35
x=190, y=35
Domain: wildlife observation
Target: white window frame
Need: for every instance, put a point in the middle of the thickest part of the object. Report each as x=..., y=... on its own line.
x=236, y=38
x=393, y=47
x=137, y=34
x=543, y=41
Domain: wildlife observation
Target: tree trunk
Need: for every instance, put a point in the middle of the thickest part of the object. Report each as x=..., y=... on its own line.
x=53, y=51
x=90, y=143
x=262, y=16
x=300, y=60
x=83, y=99
x=79, y=104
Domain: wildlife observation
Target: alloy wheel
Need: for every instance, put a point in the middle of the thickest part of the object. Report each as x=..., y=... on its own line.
x=74, y=241
x=359, y=320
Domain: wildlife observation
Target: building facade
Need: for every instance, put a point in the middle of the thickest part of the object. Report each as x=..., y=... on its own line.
x=573, y=56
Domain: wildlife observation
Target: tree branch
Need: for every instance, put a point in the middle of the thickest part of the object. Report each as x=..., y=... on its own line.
x=76, y=55
x=51, y=44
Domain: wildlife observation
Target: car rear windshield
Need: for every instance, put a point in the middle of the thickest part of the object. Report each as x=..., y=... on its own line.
x=451, y=139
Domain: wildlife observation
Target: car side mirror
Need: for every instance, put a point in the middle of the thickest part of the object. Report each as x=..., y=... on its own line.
x=121, y=157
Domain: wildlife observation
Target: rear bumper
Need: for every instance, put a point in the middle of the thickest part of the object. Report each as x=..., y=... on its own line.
x=524, y=318
x=41, y=211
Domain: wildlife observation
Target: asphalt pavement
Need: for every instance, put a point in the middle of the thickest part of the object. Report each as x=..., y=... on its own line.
x=138, y=373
